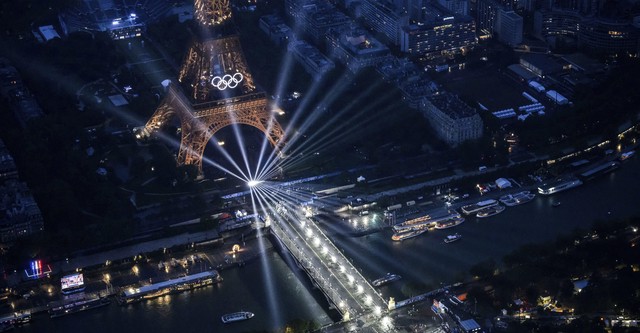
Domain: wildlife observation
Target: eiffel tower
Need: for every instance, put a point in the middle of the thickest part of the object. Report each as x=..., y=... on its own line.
x=216, y=88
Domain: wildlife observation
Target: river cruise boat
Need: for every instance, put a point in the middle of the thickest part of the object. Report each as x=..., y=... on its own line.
x=559, y=185
x=60, y=310
x=8, y=321
x=450, y=222
x=517, y=199
x=413, y=224
x=452, y=238
x=400, y=236
x=490, y=211
x=474, y=208
x=189, y=282
x=386, y=279
x=236, y=316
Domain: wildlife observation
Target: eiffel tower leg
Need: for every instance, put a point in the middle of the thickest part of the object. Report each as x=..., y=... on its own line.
x=160, y=117
x=195, y=136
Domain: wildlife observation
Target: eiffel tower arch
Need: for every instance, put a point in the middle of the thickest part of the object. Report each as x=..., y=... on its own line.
x=215, y=90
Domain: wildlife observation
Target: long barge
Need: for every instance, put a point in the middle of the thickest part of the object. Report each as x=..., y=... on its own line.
x=416, y=223
x=9, y=321
x=558, y=186
x=517, y=199
x=450, y=222
x=599, y=169
x=430, y=223
x=75, y=306
x=189, y=282
x=474, y=208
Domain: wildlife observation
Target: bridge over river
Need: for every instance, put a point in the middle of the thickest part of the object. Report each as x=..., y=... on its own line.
x=334, y=274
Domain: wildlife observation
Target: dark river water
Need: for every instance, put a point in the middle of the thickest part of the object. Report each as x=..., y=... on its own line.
x=270, y=289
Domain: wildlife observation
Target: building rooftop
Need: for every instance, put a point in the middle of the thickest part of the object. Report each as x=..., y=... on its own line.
x=544, y=62
x=512, y=15
x=104, y=15
x=358, y=41
x=434, y=15
x=310, y=53
x=452, y=105
x=522, y=72
x=16, y=202
x=48, y=32
x=469, y=325
x=582, y=63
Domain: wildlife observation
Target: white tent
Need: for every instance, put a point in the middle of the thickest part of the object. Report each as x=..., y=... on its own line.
x=503, y=183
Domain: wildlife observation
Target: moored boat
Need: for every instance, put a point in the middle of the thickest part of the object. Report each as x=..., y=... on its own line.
x=517, y=198
x=189, y=282
x=523, y=197
x=236, y=316
x=473, y=208
x=417, y=223
x=449, y=223
x=508, y=200
x=558, y=185
x=452, y=238
x=77, y=306
x=490, y=211
x=400, y=236
x=386, y=279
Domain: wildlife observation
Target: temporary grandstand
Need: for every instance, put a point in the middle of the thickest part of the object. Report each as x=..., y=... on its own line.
x=121, y=18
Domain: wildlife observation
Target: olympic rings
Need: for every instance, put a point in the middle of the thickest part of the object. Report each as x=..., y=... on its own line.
x=227, y=81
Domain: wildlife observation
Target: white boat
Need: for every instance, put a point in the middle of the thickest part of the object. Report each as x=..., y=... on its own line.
x=449, y=223
x=236, y=316
x=517, y=199
x=400, y=236
x=558, y=185
x=452, y=238
x=386, y=279
x=470, y=209
x=417, y=223
x=490, y=211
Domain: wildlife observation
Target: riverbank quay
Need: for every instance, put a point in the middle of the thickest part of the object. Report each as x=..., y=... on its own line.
x=199, y=253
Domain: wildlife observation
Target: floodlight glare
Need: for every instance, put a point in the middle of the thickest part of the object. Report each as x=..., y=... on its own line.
x=253, y=183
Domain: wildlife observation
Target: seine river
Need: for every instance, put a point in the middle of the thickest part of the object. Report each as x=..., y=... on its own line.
x=270, y=289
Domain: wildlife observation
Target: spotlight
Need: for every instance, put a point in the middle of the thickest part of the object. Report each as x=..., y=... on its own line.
x=253, y=183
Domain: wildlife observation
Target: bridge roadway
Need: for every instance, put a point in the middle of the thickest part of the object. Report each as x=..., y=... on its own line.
x=343, y=285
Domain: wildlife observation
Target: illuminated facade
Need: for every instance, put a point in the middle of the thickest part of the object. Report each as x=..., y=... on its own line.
x=556, y=23
x=384, y=18
x=486, y=16
x=453, y=120
x=610, y=37
x=594, y=35
x=448, y=34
